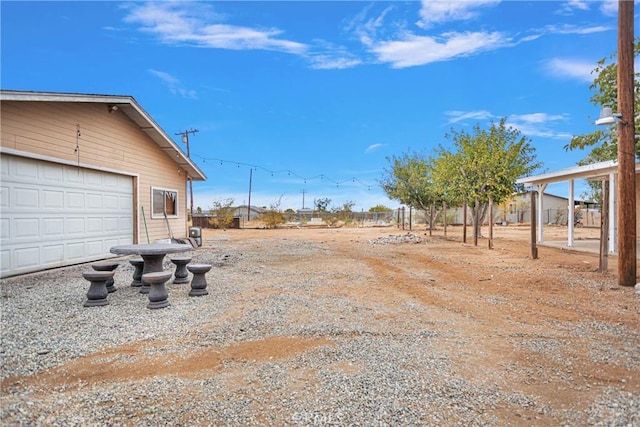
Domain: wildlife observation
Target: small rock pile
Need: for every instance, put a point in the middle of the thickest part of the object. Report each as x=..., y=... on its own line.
x=396, y=238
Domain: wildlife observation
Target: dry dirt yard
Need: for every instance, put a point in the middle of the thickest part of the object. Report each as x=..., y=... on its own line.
x=348, y=326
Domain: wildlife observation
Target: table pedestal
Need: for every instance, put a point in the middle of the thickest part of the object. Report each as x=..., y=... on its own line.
x=152, y=264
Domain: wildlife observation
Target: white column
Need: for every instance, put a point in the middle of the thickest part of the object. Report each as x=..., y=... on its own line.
x=541, y=188
x=571, y=214
x=613, y=210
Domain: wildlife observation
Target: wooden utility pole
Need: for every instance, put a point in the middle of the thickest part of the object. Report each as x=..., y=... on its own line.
x=185, y=140
x=626, y=148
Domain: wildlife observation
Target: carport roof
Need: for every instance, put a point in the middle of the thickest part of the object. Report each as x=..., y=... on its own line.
x=592, y=172
x=130, y=107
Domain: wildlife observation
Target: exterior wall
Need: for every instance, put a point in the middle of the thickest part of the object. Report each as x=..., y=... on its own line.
x=107, y=141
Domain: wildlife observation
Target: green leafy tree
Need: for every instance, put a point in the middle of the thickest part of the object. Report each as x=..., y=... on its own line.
x=408, y=180
x=380, y=208
x=483, y=166
x=603, y=141
x=223, y=212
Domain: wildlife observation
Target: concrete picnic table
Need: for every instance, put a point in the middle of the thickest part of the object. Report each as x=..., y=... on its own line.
x=153, y=254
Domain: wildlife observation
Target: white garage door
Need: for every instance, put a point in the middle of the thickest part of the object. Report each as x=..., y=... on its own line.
x=53, y=214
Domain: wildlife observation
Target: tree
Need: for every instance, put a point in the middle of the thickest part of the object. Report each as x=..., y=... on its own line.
x=380, y=208
x=604, y=141
x=408, y=180
x=322, y=204
x=484, y=166
x=273, y=216
x=223, y=212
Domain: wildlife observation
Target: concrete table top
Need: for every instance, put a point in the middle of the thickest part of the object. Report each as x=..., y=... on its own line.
x=150, y=249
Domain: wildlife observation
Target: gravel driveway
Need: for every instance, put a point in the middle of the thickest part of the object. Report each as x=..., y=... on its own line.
x=330, y=327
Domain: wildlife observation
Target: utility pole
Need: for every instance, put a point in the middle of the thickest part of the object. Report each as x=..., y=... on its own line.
x=627, y=227
x=303, y=193
x=249, y=205
x=185, y=140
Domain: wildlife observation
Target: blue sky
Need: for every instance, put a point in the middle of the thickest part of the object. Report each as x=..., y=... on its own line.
x=313, y=97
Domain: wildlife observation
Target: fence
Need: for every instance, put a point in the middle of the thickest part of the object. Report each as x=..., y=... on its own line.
x=582, y=217
x=313, y=218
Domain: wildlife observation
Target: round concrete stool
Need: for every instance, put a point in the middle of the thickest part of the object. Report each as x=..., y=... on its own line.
x=158, y=295
x=199, y=281
x=181, y=274
x=97, y=293
x=107, y=266
x=138, y=264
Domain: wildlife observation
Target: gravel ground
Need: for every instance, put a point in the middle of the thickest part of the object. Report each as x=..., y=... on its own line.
x=323, y=331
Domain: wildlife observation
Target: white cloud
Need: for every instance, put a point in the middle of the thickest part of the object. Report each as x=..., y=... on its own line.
x=174, y=85
x=575, y=29
x=540, y=125
x=196, y=24
x=458, y=116
x=571, y=68
x=609, y=7
x=420, y=50
x=434, y=12
x=373, y=147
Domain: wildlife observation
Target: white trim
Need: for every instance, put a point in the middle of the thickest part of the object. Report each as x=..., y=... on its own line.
x=177, y=208
x=14, y=152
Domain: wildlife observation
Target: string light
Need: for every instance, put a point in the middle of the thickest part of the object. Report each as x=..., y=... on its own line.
x=289, y=172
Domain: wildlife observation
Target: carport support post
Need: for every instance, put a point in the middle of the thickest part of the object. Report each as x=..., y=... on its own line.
x=572, y=213
x=534, y=221
x=604, y=228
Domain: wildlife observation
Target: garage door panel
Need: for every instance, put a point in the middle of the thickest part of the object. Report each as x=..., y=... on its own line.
x=26, y=197
x=95, y=248
x=110, y=202
x=5, y=225
x=94, y=201
x=75, y=250
x=53, y=227
x=26, y=257
x=75, y=200
x=26, y=227
x=25, y=168
x=52, y=172
x=5, y=194
x=52, y=199
x=74, y=226
x=53, y=214
x=53, y=254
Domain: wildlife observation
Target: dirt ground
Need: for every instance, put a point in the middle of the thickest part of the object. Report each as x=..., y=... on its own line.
x=501, y=302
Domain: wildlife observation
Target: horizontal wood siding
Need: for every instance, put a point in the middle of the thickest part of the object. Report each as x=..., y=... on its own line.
x=106, y=141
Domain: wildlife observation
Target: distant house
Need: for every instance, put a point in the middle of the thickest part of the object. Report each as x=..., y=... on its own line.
x=248, y=213
x=81, y=173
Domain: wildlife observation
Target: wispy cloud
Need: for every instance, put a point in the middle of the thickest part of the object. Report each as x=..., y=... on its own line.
x=570, y=68
x=459, y=116
x=541, y=125
x=373, y=147
x=196, y=24
x=415, y=50
x=435, y=12
x=174, y=85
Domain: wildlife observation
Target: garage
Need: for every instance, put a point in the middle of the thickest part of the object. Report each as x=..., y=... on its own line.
x=56, y=214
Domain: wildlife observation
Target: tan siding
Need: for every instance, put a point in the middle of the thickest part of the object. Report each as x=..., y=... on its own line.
x=107, y=141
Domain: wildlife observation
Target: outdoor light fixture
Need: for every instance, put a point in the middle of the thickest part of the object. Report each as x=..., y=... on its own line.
x=607, y=117
x=112, y=108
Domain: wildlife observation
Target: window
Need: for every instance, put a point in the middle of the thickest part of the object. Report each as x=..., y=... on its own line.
x=164, y=201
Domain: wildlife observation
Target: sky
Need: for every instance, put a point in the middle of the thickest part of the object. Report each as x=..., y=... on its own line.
x=296, y=101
